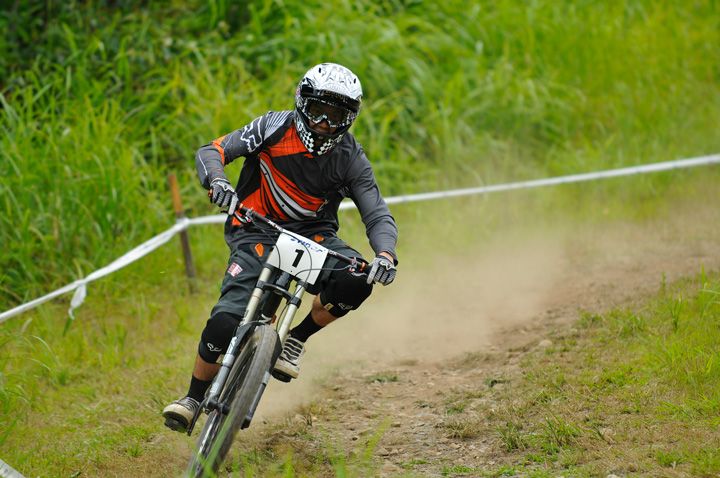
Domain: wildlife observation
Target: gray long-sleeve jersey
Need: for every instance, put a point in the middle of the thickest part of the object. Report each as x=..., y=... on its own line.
x=300, y=191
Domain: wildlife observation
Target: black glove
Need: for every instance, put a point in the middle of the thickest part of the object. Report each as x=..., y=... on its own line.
x=223, y=194
x=382, y=271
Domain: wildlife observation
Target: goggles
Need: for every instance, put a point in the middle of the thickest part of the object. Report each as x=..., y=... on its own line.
x=336, y=116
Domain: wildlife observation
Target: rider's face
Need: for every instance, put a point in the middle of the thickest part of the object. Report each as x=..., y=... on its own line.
x=322, y=127
x=325, y=118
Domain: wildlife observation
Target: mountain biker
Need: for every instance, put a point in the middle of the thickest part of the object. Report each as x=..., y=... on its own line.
x=299, y=165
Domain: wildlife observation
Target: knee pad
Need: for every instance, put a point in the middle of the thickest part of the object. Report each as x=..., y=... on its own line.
x=217, y=335
x=344, y=293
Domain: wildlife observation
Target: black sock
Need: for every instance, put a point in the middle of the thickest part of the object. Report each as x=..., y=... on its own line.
x=198, y=388
x=305, y=329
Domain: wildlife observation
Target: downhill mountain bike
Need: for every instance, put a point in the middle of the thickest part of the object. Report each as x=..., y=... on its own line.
x=248, y=363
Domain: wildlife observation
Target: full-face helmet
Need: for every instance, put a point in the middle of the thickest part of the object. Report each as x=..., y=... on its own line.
x=328, y=92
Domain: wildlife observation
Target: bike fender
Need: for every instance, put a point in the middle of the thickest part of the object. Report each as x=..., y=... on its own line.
x=242, y=331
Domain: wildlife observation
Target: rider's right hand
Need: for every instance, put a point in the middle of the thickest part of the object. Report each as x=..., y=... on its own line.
x=223, y=194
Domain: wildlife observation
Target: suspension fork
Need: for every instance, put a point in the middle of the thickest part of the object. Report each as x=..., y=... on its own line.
x=273, y=296
x=293, y=305
x=232, y=350
x=294, y=302
x=257, y=294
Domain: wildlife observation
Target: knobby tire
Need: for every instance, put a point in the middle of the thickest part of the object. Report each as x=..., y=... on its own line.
x=242, y=387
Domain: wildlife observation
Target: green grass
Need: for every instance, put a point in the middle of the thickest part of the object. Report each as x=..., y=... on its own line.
x=658, y=376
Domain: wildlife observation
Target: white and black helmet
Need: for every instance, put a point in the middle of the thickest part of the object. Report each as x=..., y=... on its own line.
x=327, y=92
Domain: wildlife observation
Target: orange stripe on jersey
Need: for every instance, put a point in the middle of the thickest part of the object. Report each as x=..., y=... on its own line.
x=262, y=202
x=289, y=144
x=302, y=199
x=220, y=149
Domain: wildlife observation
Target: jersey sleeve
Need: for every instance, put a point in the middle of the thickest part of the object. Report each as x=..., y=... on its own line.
x=379, y=223
x=211, y=159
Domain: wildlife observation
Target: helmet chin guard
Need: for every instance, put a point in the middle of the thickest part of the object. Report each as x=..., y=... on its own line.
x=333, y=85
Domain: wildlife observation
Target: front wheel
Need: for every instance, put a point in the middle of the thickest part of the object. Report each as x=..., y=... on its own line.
x=245, y=384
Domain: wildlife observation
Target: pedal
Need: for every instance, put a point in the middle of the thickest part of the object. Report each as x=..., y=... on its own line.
x=175, y=425
x=283, y=377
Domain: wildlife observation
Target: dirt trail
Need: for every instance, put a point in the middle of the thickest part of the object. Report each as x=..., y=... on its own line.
x=501, y=297
x=483, y=294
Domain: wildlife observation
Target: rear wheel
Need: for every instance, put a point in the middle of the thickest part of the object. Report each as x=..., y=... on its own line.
x=244, y=386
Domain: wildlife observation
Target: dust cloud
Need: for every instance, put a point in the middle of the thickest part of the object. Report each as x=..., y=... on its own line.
x=493, y=293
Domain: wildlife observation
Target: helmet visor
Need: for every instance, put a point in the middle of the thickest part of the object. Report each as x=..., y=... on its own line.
x=336, y=116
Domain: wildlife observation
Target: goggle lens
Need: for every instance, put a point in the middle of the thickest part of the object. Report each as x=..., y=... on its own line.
x=318, y=111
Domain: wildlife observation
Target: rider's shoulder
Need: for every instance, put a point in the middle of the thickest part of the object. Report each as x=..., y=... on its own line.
x=277, y=118
x=349, y=147
x=274, y=121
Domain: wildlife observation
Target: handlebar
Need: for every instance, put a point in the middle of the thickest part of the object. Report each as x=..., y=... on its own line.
x=356, y=265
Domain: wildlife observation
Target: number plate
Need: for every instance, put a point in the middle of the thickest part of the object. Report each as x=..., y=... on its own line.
x=298, y=256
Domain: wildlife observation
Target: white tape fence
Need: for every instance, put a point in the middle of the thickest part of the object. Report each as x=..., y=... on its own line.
x=80, y=286
x=7, y=471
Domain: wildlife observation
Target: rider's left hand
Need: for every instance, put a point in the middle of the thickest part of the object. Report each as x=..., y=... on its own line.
x=382, y=271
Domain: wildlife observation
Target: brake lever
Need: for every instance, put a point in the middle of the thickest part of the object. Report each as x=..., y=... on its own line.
x=357, y=267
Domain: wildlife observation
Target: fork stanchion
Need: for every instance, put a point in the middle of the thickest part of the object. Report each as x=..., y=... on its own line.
x=184, y=236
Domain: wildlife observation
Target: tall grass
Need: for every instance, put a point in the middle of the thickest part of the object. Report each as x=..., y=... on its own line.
x=674, y=342
x=684, y=343
x=23, y=361
x=100, y=102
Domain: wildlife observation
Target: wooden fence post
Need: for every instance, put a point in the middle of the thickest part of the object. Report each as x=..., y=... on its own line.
x=184, y=237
